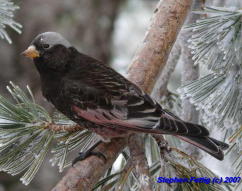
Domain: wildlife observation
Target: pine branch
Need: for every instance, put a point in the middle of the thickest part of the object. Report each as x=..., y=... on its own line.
x=160, y=89
x=217, y=41
x=175, y=163
x=217, y=45
x=235, y=151
x=85, y=174
x=62, y=128
x=27, y=133
x=137, y=153
x=179, y=164
x=7, y=8
x=158, y=43
x=189, y=71
x=123, y=178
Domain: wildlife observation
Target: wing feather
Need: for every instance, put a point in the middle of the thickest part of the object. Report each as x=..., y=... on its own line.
x=100, y=94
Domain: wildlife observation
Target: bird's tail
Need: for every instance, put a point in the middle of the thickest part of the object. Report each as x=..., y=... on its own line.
x=191, y=133
x=208, y=144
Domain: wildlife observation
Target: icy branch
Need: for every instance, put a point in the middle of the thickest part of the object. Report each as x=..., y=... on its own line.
x=7, y=8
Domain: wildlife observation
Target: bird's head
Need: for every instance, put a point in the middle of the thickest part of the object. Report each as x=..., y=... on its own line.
x=48, y=50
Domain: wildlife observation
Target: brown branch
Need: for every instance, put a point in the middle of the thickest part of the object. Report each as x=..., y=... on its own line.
x=137, y=153
x=84, y=174
x=160, y=88
x=149, y=60
x=60, y=127
x=152, y=56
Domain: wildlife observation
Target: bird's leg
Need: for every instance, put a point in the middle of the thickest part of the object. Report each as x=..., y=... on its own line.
x=89, y=152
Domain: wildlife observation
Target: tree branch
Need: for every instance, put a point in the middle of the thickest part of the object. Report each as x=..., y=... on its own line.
x=125, y=173
x=160, y=88
x=149, y=60
x=59, y=127
x=152, y=56
x=86, y=173
x=139, y=161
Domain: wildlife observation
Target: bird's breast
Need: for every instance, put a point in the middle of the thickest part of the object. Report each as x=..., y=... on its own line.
x=51, y=87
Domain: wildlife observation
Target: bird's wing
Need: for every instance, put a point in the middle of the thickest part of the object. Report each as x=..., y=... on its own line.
x=101, y=95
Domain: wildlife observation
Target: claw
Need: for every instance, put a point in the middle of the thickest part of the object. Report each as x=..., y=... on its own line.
x=90, y=152
x=82, y=156
x=100, y=155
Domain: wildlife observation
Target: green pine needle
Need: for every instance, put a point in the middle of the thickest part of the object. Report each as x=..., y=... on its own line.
x=25, y=140
x=7, y=8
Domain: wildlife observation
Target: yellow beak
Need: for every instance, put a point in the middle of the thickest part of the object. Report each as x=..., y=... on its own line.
x=31, y=52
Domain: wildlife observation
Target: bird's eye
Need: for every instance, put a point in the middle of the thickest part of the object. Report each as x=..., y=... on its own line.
x=46, y=46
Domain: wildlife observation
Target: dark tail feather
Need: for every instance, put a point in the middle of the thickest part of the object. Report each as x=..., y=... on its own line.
x=192, y=133
x=171, y=124
x=220, y=144
x=208, y=144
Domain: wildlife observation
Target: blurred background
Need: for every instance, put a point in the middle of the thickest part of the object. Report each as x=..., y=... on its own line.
x=109, y=30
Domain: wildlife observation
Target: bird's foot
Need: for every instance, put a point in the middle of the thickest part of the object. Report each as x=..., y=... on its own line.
x=90, y=152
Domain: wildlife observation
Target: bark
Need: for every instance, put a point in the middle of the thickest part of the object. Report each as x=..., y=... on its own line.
x=158, y=42
x=84, y=174
x=137, y=153
x=149, y=60
x=124, y=176
x=160, y=88
x=64, y=128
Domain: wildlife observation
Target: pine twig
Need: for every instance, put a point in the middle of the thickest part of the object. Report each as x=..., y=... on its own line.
x=60, y=127
x=125, y=173
x=189, y=71
x=137, y=152
x=7, y=9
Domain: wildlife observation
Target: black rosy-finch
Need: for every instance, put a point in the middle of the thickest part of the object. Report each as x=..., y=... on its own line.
x=98, y=98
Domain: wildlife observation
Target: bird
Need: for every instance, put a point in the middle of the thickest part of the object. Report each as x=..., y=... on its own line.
x=96, y=97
